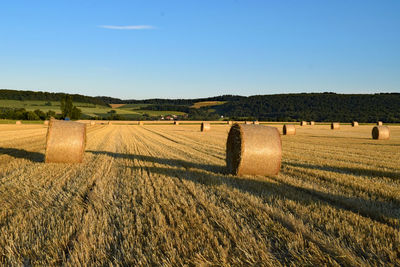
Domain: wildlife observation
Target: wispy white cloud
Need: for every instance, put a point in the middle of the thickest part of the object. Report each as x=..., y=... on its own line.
x=128, y=27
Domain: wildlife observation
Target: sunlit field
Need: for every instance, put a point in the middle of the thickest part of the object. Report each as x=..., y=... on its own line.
x=159, y=195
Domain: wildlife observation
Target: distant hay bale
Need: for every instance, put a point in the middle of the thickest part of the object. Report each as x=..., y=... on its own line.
x=46, y=122
x=109, y=123
x=141, y=123
x=256, y=122
x=92, y=123
x=335, y=125
x=65, y=142
x=381, y=132
x=289, y=129
x=229, y=122
x=303, y=123
x=254, y=150
x=176, y=122
x=354, y=124
x=205, y=127
x=18, y=122
x=247, y=122
x=312, y=123
x=379, y=123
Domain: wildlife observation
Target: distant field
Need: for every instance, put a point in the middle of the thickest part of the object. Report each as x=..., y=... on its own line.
x=130, y=111
x=159, y=195
x=207, y=104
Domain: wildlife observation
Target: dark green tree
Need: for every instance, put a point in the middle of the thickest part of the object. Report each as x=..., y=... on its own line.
x=68, y=109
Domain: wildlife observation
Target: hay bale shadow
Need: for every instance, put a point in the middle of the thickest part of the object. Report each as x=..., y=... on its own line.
x=23, y=154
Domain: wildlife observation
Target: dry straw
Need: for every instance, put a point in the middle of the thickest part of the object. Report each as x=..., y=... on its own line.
x=312, y=123
x=335, y=125
x=141, y=123
x=354, y=124
x=379, y=123
x=109, y=123
x=65, y=142
x=205, y=127
x=176, y=122
x=381, y=132
x=254, y=150
x=46, y=122
x=289, y=129
x=247, y=122
x=303, y=123
x=18, y=122
x=92, y=123
x=256, y=122
x=229, y=122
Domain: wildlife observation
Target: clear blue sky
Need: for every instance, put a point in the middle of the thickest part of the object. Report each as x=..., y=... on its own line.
x=185, y=49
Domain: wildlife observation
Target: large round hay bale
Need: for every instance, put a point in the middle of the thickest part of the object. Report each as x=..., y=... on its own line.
x=289, y=129
x=312, y=123
x=381, y=132
x=176, y=122
x=18, y=122
x=379, y=123
x=65, y=142
x=354, y=124
x=335, y=125
x=205, y=126
x=303, y=123
x=254, y=150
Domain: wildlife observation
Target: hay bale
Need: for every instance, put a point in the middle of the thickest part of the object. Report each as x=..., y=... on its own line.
x=289, y=129
x=256, y=122
x=229, y=122
x=380, y=132
x=46, y=122
x=176, y=122
x=92, y=123
x=312, y=123
x=335, y=125
x=253, y=149
x=303, y=123
x=141, y=123
x=65, y=142
x=379, y=123
x=109, y=123
x=247, y=122
x=18, y=122
x=354, y=124
x=205, y=127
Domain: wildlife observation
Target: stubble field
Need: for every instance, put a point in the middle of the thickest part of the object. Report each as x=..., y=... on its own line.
x=159, y=195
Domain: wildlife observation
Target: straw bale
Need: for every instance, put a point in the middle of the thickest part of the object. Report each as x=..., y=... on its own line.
x=65, y=142
x=303, y=123
x=205, y=127
x=289, y=129
x=92, y=123
x=176, y=122
x=381, y=132
x=109, y=123
x=335, y=125
x=379, y=123
x=254, y=150
x=256, y=122
x=18, y=122
x=312, y=123
x=229, y=122
x=46, y=122
x=354, y=124
x=247, y=122
x=141, y=123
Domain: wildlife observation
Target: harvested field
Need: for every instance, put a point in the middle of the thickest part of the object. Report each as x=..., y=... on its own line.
x=159, y=195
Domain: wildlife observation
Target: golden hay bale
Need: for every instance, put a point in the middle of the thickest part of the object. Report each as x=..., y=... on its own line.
x=379, y=123
x=354, y=124
x=205, y=127
x=18, y=122
x=335, y=125
x=289, y=129
x=381, y=132
x=303, y=123
x=92, y=123
x=46, y=122
x=109, y=123
x=247, y=122
x=141, y=123
x=176, y=122
x=312, y=123
x=253, y=149
x=256, y=122
x=229, y=122
x=65, y=142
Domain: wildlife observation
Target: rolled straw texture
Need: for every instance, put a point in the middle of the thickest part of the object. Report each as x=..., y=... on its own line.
x=205, y=126
x=312, y=122
x=254, y=150
x=303, y=123
x=379, y=123
x=229, y=122
x=335, y=125
x=65, y=142
x=289, y=129
x=18, y=122
x=381, y=132
x=92, y=123
x=354, y=124
x=176, y=122
x=256, y=122
x=247, y=122
x=140, y=123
